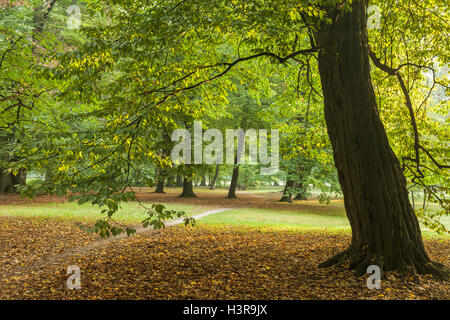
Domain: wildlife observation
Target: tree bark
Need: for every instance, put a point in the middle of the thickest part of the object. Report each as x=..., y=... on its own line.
x=188, y=189
x=179, y=181
x=287, y=196
x=233, y=184
x=160, y=183
x=8, y=181
x=300, y=194
x=385, y=229
x=170, y=181
x=212, y=185
x=203, y=180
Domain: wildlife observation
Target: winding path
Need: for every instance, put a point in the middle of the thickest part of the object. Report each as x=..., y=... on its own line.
x=57, y=258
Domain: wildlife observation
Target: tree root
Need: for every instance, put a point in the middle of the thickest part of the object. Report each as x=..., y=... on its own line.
x=358, y=260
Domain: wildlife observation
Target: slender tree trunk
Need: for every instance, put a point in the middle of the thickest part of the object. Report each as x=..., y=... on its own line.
x=385, y=229
x=212, y=185
x=48, y=176
x=233, y=184
x=424, y=205
x=160, y=183
x=287, y=195
x=203, y=180
x=170, y=181
x=40, y=19
x=188, y=189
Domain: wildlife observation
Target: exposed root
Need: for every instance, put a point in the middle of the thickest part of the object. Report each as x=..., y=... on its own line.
x=359, y=261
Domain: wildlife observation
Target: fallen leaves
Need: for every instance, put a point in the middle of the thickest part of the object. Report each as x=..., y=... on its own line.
x=24, y=242
x=215, y=263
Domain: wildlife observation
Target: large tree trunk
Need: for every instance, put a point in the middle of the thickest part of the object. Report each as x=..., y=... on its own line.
x=179, y=181
x=287, y=196
x=301, y=193
x=160, y=185
x=212, y=185
x=385, y=229
x=188, y=189
x=9, y=180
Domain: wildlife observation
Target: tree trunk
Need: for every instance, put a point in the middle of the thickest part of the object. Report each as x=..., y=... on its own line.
x=48, y=176
x=179, y=181
x=170, y=181
x=300, y=194
x=160, y=183
x=385, y=229
x=233, y=184
x=212, y=185
x=424, y=205
x=203, y=181
x=287, y=191
x=8, y=181
x=188, y=189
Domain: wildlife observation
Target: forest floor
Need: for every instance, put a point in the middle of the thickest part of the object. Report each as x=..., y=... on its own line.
x=204, y=262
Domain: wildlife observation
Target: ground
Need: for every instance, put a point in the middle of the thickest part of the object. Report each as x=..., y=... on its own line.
x=270, y=252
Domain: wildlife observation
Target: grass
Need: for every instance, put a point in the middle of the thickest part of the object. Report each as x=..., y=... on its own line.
x=130, y=212
x=279, y=220
x=264, y=219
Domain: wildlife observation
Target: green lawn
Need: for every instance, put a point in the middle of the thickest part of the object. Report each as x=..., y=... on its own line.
x=264, y=219
x=130, y=212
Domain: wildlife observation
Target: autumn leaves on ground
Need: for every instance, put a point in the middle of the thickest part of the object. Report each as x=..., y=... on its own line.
x=217, y=259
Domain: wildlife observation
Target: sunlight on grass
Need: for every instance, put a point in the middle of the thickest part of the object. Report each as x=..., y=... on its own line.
x=291, y=221
x=261, y=219
x=130, y=212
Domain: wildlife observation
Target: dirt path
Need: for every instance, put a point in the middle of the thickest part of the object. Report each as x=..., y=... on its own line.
x=82, y=250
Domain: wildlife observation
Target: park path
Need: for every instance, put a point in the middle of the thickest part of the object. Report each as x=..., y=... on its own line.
x=82, y=250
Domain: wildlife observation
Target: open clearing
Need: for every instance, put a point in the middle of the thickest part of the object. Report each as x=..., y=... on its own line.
x=261, y=253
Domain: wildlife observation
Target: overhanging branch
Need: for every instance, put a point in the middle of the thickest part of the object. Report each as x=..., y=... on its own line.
x=417, y=147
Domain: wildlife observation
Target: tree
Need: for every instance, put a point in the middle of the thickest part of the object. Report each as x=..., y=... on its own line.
x=188, y=189
x=385, y=229
x=212, y=184
x=160, y=178
x=234, y=181
x=287, y=192
x=203, y=180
